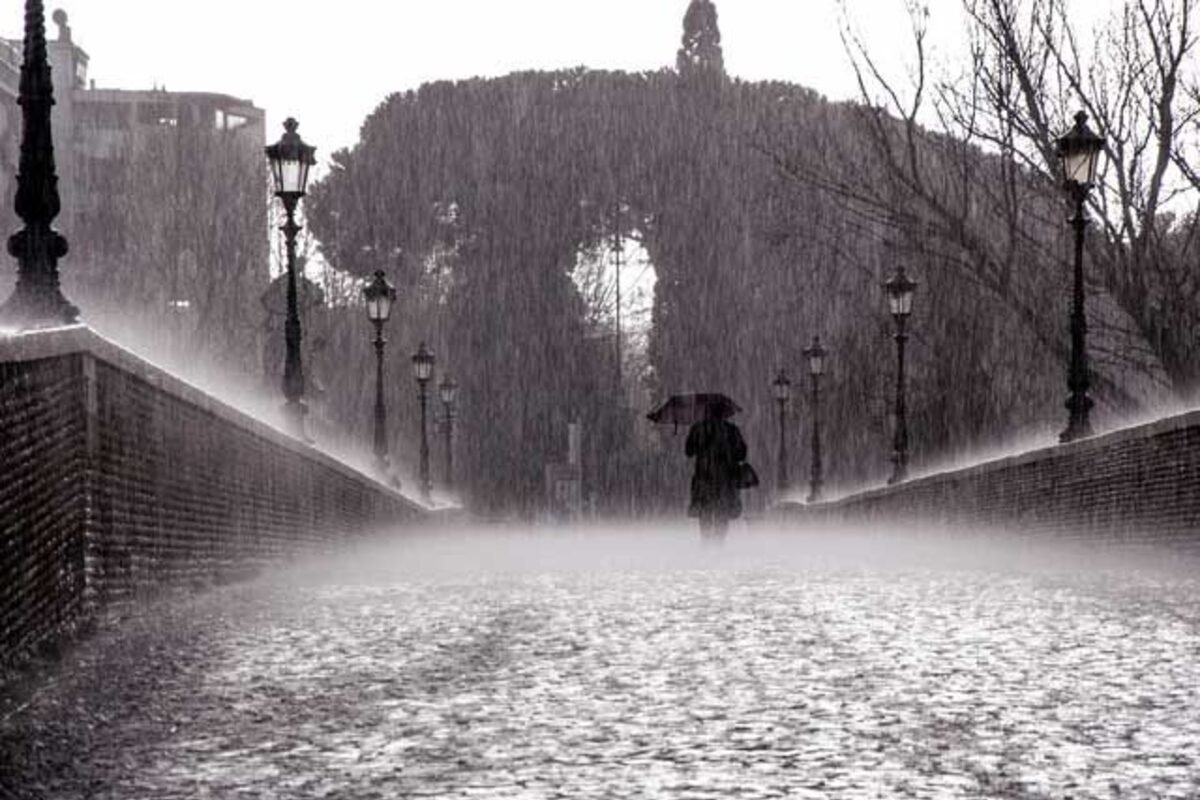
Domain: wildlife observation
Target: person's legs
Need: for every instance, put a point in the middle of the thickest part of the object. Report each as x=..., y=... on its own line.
x=713, y=525
x=718, y=526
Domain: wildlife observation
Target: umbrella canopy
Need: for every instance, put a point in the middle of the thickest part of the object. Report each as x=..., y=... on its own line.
x=688, y=409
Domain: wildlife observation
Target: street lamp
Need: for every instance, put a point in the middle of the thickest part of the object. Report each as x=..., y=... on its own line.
x=816, y=367
x=1079, y=149
x=379, y=296
x=783, y=391
x=900, y=290
x=449, y=392
x=36, y=301
x=290, y=159
x=422, y=362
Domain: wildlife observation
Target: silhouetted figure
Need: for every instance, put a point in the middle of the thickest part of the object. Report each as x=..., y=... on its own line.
x=719, y=450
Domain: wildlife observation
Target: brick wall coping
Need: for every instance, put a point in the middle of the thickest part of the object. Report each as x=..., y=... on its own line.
x=71, y=339
x=1099, y=442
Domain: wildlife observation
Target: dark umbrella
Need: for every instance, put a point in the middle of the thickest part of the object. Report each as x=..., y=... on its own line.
x=688, y=409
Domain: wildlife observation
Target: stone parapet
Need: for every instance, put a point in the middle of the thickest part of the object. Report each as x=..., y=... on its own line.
x=116, y=477
x=1137, y=485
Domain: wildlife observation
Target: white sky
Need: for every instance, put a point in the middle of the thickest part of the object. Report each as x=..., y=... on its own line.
x=331, y=64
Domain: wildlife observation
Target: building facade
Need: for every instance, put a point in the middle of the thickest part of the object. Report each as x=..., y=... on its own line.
x=164, y=198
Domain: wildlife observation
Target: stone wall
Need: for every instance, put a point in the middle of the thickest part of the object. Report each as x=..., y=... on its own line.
x=1138, y=485
x=116, y=477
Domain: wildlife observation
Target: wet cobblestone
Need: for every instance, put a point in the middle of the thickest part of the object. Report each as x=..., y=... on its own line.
x=623, y=666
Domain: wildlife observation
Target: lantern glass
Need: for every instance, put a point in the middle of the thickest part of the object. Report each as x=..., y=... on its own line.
x=423, y=363
x=782, y=386
x=900, y=291
x=1079, y=149
x=293, y=176
x=449, y=391
x=816, y=357
x=379, y=296
x=1080, y=168
x=377, y=309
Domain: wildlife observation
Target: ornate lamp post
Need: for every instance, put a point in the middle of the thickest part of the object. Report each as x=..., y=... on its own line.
x=37, y=301
x=449, y=392
x=422, y=362
x=1079, y=149
x=782, y=388
x=816, y=367
x=290, y=160
x=379, y=296
x=900, y=290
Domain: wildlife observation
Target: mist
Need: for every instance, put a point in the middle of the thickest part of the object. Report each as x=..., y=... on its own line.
x=603, y=660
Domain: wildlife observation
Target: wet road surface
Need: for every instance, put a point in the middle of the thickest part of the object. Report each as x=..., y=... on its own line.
x=637, y=664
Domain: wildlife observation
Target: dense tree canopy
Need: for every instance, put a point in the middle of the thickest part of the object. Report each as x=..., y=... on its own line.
x=770, y=215
x=478, y=197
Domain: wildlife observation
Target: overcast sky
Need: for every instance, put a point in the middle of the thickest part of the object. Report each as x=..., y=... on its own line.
x=332, y=63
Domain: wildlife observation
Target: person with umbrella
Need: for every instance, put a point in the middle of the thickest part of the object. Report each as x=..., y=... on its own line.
x=720, y=453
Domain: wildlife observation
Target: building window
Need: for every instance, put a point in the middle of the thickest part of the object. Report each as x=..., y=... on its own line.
x=159, y=114
x=226, y=121
x=106, y=116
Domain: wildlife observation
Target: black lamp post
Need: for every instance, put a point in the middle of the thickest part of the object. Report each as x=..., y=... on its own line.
x=449, y=392
x=379, y=296
x=900, y=290
x=37, y=301
x=816, y=367
x=290, y=160
x=1079, y=149
x=422, y=362
x=782, y=388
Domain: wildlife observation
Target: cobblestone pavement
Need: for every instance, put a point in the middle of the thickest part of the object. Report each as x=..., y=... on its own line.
x=637, y=665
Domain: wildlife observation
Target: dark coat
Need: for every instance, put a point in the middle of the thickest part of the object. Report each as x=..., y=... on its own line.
x=719, y=449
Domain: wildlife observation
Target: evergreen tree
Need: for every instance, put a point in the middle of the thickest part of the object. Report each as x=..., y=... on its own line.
x=701, y=51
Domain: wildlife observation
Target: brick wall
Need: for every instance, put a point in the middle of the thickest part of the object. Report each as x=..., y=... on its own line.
x=116, y=477
x=43, y=500
x=1139, y=485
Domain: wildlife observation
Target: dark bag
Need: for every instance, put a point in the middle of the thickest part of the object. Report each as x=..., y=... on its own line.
x=747, y=478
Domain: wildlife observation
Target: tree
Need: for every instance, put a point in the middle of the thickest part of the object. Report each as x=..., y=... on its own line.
x=701, y=51
x=480, y=197
x=170, y=242
x=984, y=182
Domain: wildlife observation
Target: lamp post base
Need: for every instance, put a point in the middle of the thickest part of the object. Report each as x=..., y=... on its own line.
x=1079, y=425
x=45, y=307
x=1075, y=431
x=294, y=412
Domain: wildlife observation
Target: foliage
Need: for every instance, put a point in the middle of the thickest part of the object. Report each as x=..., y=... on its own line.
x=701, y=50
x=169, y=236
x=479, y=196
x=997, y=220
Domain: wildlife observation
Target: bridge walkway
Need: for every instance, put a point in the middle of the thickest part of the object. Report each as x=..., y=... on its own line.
x=636, y=664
